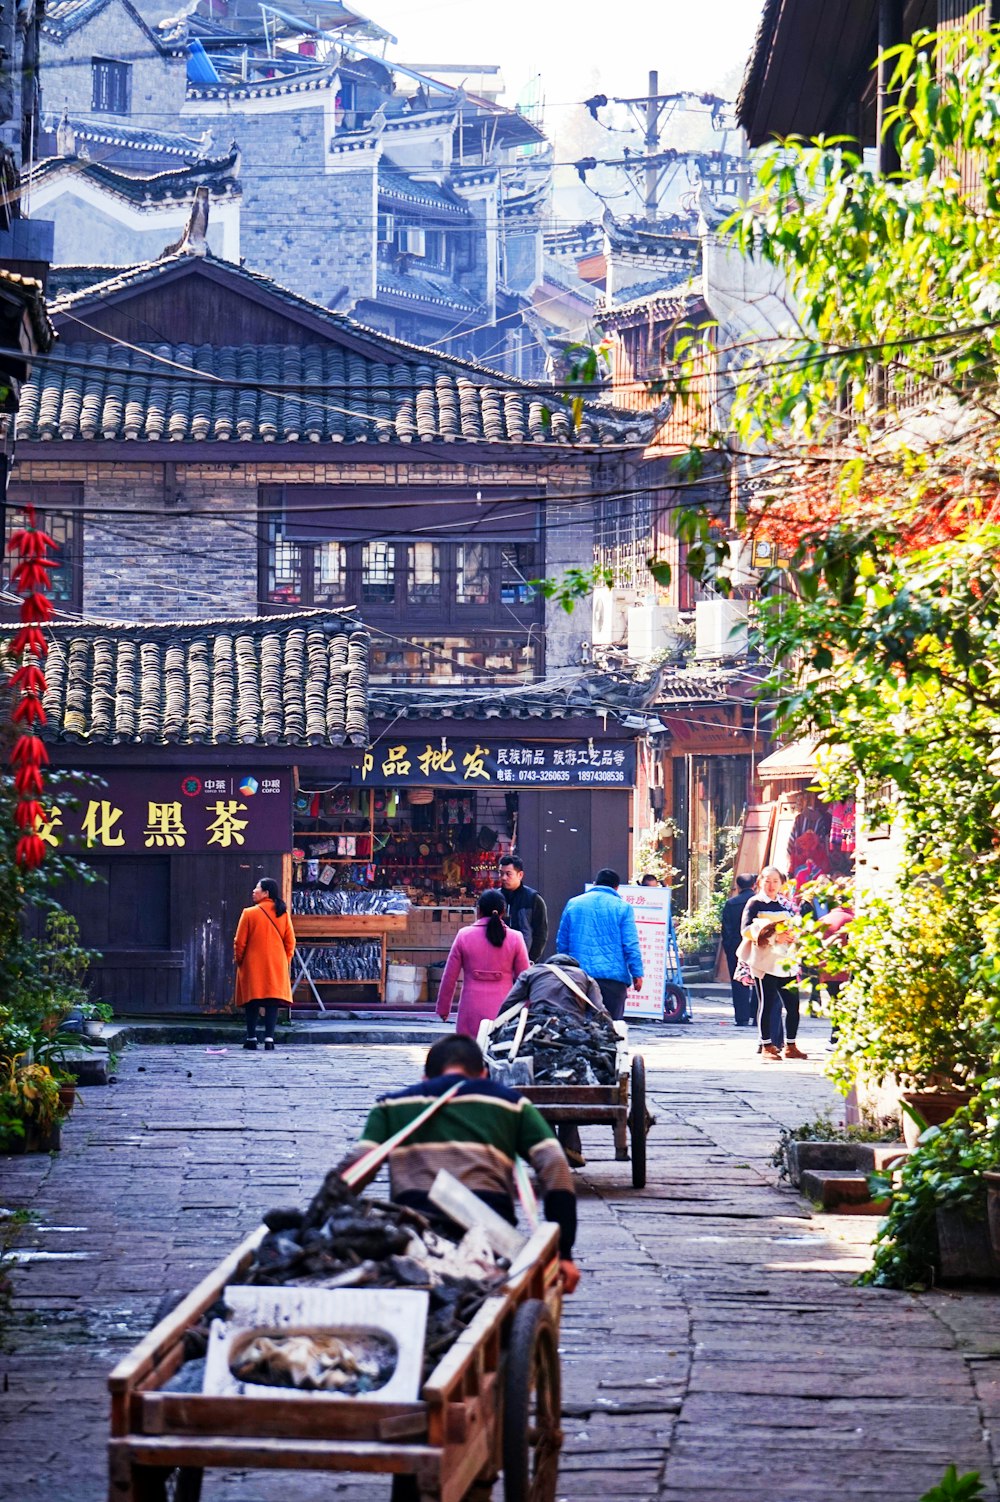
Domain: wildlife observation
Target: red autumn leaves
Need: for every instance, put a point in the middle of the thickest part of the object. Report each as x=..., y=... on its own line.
x=31, y=577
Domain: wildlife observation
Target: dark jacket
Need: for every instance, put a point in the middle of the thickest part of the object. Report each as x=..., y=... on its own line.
x=540, y=983
x=527, y=913
x=732, y=920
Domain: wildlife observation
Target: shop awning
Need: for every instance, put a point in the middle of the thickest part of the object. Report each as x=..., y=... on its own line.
x=796, y=760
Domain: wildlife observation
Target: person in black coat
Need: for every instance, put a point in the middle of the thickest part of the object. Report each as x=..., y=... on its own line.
x=526, y=909
x=744, y=1006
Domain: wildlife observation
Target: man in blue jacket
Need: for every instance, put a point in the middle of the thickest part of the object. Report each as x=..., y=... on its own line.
x=598, y=929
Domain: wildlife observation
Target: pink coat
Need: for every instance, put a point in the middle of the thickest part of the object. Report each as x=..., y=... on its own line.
x=487, y=974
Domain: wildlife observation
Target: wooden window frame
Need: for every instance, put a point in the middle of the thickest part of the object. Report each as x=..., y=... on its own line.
x=49, y=501
x=113, y=96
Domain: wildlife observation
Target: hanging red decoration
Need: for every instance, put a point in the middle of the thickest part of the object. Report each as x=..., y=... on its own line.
x=31, y=576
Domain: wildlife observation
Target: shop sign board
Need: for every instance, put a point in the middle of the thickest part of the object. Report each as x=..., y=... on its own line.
x=189, y=812
x=508, y=764
x=651, y=906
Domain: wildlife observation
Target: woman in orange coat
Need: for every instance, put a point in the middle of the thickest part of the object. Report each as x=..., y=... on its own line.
x=263, y=948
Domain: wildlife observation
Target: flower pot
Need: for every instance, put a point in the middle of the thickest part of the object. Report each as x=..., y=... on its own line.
x=67, y=1098
x=93, y=1028
x=34, y=1141
x=935, y=1106
x=964, y=1250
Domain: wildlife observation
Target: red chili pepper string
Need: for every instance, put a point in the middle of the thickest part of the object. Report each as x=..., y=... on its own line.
x=31, y=577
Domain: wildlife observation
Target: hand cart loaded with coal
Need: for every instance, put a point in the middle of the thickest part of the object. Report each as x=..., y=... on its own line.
x=575, y=1068
x=355, y=1336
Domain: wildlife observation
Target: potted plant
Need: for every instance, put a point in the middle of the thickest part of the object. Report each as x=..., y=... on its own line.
x=911, y=1012
x=94, y=1015
x=30, y=1107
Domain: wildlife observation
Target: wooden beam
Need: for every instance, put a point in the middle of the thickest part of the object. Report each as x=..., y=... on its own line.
x=890, y=34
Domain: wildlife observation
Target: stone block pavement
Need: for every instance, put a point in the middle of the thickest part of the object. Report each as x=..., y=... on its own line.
x=716, y=1350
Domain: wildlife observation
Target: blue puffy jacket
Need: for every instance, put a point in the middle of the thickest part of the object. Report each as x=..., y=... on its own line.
x=598, y=929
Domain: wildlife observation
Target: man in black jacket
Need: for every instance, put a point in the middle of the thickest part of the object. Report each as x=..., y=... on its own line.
x=744, y=1002
x=526, y=910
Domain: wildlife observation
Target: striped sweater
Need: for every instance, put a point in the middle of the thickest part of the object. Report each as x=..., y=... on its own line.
x=475, y=1137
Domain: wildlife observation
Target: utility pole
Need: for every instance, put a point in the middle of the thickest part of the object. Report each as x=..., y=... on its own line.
x=652, y=147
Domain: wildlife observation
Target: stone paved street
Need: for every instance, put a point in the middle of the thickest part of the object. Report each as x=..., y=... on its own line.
x=716, y=1350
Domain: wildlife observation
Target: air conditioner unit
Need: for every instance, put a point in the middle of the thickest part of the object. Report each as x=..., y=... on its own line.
x=720, y=629
x=610, y=619
x=651, y=629
x=386, y=228
x=411, y=242
x=739, y=568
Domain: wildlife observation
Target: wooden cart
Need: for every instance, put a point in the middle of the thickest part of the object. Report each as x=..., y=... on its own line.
x=492, y=1403
x=622, y=1105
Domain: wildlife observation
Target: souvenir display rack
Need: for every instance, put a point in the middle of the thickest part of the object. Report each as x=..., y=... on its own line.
x=441, y=847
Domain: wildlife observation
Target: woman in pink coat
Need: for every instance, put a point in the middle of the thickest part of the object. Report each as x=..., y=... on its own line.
x=489, y=956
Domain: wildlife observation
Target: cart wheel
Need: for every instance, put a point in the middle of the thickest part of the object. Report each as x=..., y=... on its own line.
x=638, y=1122
x=532, y=1407
x=178, y=1483
x=674, y=1003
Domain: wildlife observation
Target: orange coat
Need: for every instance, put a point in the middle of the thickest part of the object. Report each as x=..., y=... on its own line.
x=262, y=949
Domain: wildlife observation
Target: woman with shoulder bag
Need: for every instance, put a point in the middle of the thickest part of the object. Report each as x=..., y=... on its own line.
x=263, y=949
x=768, y=949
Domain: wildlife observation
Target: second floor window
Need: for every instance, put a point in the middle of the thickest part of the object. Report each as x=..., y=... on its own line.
x=65, y=527
x=112, y=86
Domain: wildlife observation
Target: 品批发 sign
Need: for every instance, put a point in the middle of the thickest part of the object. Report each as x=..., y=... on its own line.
x=154, y=812
x=514, y=764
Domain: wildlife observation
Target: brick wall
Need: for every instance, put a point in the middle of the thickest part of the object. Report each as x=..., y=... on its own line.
x=145, y=559
x=310, y=230
x=158, y=83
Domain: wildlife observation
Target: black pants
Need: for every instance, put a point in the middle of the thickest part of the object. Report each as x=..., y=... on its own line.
x=744, y=1007
x=613, y=994
x=252, y=1010
x=778, y=1014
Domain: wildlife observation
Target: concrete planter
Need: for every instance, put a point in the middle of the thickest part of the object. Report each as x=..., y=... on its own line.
x=993, y=1210
x=965, y=1253
x=33, y=1141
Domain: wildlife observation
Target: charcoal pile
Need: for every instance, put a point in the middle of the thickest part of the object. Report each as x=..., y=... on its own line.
x=565, y=1048
x=344, y=1241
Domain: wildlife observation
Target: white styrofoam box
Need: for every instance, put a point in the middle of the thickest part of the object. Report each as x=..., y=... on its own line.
x=398, y=1314
x=405, y=993
x=399, y=972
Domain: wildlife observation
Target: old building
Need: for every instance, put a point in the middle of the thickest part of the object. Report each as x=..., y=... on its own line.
x=271, y=458
x=367, y=187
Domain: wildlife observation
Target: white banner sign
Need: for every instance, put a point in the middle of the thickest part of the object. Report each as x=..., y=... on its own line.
x=651, y=906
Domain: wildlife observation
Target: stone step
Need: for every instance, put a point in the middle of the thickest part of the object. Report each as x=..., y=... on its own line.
x=861, y=1157
x=842, y=1191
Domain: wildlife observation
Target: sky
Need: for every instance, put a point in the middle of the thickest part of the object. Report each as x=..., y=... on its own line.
x=580, y=46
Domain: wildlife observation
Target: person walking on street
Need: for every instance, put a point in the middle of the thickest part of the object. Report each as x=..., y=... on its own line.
x=769, y=926
x=489, y=957
x=563, y=983
x=526, y=910
x=744, y=1007
x=599, y=928
x=263, y=949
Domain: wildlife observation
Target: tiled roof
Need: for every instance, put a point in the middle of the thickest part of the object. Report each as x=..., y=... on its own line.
x=62, y=17
x=419, y=284
x=160, y=187
x=297, y=680
x=559, y=698
x=393, y=392
x=27, y=291
x=120, y=133
x=396, y=187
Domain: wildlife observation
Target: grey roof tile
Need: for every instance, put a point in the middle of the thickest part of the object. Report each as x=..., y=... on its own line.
x=297, y=679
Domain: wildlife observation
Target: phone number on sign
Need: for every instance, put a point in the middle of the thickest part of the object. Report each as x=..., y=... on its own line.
x=549, y=777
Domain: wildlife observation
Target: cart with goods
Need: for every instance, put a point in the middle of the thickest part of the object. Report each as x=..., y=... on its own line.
x=354, y=1338
x=575, y=1070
